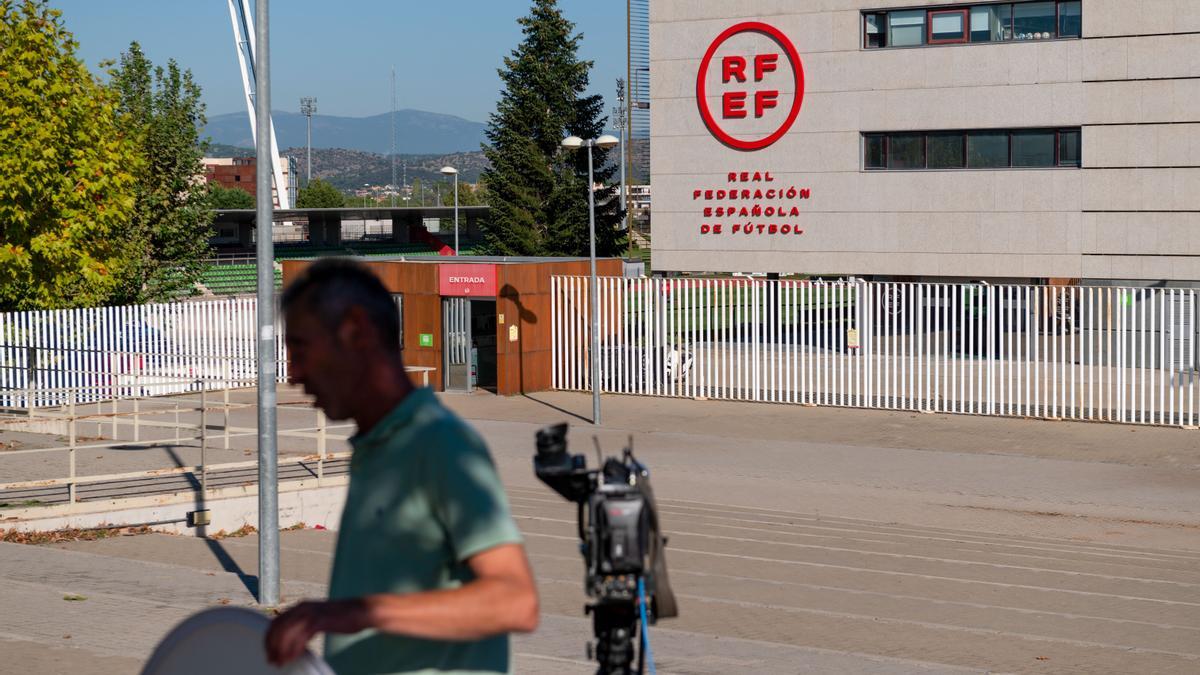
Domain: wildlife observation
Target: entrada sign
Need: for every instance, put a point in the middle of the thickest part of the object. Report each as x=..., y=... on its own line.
x=457, y=279
x=753, y=74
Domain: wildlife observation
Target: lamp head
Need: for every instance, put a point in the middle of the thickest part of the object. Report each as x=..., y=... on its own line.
x=572, y=142
x=607, y=141
x=448, y=171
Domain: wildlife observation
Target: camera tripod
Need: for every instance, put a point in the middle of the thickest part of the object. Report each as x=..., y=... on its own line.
x=615, y=625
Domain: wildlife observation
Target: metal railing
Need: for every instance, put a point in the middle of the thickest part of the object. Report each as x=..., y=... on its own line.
x=1084, y=353
x=139, y=414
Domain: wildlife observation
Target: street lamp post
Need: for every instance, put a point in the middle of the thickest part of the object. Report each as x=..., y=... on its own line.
x=451, y=171
x=574, y=143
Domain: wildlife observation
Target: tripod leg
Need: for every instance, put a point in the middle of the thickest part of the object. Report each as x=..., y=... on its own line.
x=615, y=627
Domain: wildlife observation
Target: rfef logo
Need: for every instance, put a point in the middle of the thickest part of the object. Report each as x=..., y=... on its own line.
x=750, y=86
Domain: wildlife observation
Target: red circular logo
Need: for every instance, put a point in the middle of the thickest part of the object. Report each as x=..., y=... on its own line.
x=751, y=87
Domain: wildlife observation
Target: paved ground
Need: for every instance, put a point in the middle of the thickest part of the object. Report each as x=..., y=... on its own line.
x=802, y=540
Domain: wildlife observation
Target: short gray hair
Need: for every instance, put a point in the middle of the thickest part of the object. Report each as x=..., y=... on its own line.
x=331, y=286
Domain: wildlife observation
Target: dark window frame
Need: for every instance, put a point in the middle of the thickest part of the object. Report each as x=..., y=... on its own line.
x=882, y=15
x=886, y=137
x=881, y=30
x=966, y=26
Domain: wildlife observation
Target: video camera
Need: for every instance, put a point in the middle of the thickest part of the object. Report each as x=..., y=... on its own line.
x=622, y=544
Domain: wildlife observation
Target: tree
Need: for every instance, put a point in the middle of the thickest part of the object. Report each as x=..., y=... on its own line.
x=67, y=169
x=221, y=197
x=319, y=194
x=538, y=192
x=160, y=108
x=416, y=193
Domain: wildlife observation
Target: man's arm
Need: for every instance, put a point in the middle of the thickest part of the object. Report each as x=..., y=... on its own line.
x=501, y=599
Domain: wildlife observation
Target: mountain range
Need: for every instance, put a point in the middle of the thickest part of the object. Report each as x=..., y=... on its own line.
x=417, y=132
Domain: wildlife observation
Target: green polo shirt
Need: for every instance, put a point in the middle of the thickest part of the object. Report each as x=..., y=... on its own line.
x=424, y=497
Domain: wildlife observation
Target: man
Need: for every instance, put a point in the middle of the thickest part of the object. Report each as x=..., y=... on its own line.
x=429, y=574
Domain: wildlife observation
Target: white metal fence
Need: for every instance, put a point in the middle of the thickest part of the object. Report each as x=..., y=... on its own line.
x=1086, y=353
x=106, y=353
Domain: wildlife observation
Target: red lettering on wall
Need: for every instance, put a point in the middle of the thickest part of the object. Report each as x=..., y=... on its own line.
x=735, y=67
x=763, y=64
x=733, y=104
x=763, y=100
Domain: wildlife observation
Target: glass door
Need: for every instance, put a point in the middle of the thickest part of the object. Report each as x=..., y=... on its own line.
x=456, y=341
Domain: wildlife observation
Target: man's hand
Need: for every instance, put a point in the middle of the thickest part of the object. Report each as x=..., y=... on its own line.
x=291, y=631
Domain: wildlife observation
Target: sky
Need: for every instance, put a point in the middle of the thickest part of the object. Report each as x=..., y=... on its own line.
x=446, y=53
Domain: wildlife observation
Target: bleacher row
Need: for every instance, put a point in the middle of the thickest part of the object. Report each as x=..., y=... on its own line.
x=239, y=278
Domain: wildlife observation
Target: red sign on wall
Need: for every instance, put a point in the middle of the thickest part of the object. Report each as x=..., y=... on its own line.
x=468, y=280
x=752, y=66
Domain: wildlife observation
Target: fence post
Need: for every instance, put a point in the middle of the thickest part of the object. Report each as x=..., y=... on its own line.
x=320, y=446
x=71, y=446
x=225, y=414
x=203, y=440
x=137, y=398
x=30, y=378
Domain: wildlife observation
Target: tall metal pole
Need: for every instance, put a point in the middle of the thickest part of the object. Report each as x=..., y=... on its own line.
x=620, y=115
x=394, y=188
x=268, y=470
x=456, y=213
x=308, y=106
x=595, y=366
x=626, y=151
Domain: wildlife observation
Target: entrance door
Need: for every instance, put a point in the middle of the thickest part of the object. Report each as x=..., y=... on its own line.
x=470, y=340
x=456, y=326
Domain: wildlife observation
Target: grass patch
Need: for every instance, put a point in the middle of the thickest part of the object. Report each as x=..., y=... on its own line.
x=74, y=598
x=20, y=504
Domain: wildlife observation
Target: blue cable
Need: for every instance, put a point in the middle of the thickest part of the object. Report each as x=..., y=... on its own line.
x=645, y=625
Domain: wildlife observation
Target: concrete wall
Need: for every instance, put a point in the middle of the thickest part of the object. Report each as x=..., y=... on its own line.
x=1131, y=211
x=230, y=508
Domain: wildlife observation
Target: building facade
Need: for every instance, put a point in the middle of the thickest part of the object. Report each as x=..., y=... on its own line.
x=240, y=173
x=1028, y=140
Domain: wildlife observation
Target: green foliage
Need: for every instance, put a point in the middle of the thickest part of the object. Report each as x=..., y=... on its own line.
x=319, y=194
x=67, y=169
x=538, y=192
x=221, y=197
x=468, y=195
x=160, y=108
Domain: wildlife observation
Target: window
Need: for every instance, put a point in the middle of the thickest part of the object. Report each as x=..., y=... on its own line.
x=906, y=151
x=875, y=148
x=957, y=24
x=946, y=150
x=971, y=149
x=991, y=23
x=906, y=28
x=1034, y=21
x=987, y=149
x=1068, y=147
x=948, y=26
x=1033, y=148
x=975, y=149
x=876, y=30
x=1069, y=24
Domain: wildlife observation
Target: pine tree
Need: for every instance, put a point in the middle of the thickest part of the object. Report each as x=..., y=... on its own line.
x=160, y=108
x=537, y=191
